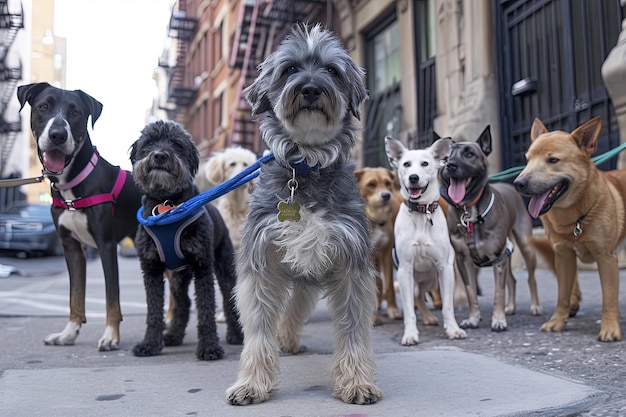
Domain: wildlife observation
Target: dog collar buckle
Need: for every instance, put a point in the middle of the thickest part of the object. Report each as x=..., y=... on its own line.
x=70, y=205
x=577, y=229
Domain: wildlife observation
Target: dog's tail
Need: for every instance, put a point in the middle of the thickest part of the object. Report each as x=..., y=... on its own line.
x=544, y=248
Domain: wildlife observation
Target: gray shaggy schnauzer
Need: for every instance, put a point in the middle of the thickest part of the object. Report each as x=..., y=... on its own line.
x=165, y=161
x=306, y=233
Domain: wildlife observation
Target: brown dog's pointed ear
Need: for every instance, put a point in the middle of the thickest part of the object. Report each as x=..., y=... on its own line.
x=484, y=140
x=358, y=173
x=26, y=93
x=537, y=129
x=94, y=106
x=586, y=135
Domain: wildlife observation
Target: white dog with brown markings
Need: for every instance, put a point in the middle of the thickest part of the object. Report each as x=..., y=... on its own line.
x=423, y=245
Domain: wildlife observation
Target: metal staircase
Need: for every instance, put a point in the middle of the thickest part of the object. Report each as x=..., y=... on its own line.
x=10, y=24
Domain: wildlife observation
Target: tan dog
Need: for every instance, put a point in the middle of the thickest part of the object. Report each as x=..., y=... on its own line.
x=233, y=206
x=379, y=188
x=583, y=211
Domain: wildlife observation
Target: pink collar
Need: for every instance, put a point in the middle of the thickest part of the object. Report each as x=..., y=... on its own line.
x=80, y=177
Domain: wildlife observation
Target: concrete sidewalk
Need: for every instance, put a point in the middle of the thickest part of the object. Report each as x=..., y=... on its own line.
x=425, y=383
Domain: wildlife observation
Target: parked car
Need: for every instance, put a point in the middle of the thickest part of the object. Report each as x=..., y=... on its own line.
x=27, y=229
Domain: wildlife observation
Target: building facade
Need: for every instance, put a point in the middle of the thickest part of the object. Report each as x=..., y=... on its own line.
x=445, y=66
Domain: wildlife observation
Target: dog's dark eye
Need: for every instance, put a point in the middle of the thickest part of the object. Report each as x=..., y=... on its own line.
x=371, y=185
x=292, y=69
x=406, y=164
x=553, y=160
x=43, y=106
x=424, y=163
x=75, y=113
x=331, y=70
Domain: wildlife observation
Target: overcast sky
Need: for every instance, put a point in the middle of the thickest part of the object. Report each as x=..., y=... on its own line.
x=112, y=48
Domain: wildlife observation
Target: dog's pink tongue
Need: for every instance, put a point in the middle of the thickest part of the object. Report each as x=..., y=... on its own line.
x=415, y=193
x=54, y=161
x=456, y=190
x=536, y=203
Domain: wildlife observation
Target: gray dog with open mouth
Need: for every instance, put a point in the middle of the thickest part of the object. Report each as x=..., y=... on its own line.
x=306, y=232
x=482, y=217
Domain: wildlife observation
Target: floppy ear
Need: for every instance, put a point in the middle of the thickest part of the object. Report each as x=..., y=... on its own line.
x=358, y=174
x=586, y=135
x=94, y=106
x=215, y=169
x=26, y=93
x=537, y=129
x=484, y=140
x=358, y=93
x=256, y=93
x=395, y=149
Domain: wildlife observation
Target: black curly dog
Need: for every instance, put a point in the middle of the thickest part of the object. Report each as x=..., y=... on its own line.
x=165, y=161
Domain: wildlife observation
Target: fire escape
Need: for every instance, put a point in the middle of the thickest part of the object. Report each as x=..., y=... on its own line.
x=260, y=27
x=180, y=91
x=10, y=24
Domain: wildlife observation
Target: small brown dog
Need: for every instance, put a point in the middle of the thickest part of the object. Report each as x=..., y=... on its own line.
x=379, y=188
x=583, y=211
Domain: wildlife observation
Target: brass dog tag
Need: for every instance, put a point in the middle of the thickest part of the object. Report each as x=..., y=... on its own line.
x=288, y=211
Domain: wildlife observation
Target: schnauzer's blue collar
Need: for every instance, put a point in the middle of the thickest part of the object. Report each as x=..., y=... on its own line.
x=303, y=168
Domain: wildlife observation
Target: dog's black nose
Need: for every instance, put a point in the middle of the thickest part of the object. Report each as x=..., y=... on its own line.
x=414, y=178
x=385, y=196
x=310, y=92
x=57, y=132
x=521, y=184
x=160, y=157
x=451, y=166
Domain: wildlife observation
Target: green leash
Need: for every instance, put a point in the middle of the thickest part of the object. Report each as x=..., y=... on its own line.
x=514, y=171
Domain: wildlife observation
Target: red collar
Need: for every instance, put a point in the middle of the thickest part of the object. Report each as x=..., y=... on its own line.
x=82, y=202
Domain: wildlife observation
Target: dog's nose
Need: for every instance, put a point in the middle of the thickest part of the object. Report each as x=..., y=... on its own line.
x=451, y=166
x=385, y=196
x=57, y=132
x=414, y=179
x=310, y=92
x=160, y=157
x=521, y=184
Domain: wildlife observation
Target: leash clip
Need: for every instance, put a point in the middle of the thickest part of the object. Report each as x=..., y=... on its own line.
x=577, y=229
x=70, y=205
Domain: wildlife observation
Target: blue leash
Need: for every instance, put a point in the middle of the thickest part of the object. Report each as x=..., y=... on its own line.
x=197, y=202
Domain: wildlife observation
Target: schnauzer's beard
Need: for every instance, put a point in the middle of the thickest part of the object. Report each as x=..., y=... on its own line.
x=310, y=124
x=161, y=180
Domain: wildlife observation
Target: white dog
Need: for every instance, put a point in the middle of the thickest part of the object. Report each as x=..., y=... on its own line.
x=233, y=206
x=421, y=234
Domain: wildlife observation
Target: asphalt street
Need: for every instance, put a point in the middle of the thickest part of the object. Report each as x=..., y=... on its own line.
x=520, y=372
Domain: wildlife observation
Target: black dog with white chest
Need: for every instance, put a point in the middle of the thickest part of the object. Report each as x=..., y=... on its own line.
x=165, y=161
x=94, y=202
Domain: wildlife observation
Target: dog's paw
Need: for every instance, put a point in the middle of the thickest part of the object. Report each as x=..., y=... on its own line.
x=555, y=324
x=209, y=352
x=148, y=348
x=109, y=340
x=173, y=338
x=610, y=333
x=394, y=313
x=359, y=394
x=536, y=310
x=498, y=322
x=234, y=337
x=470, y=323
x=456, y=333
x=242, y=394
x=410, y=338
x=66, y=337
x=509, y=310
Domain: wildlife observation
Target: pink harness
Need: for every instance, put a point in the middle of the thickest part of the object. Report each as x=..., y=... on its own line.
x=82, y=202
